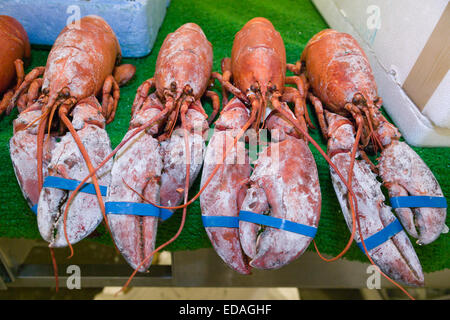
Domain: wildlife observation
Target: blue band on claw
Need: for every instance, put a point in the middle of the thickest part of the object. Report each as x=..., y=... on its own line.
x=220, y=221
x=131, y=208
x=137, y=209
x=278, y=223
x=68, y=184
x=418, y=202
x=381, y=236
x=233, y=222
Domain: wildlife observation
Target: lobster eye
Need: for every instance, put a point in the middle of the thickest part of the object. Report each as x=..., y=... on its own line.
x=65, y=93
x=358, y=98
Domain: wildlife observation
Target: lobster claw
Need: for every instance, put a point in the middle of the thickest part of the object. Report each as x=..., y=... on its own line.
x=84, y=214
x=285, y=184
x=139, y=164
x=223, y=195
x=404, y=173
x=137, y=171
x=395, y=256
x=23, y=150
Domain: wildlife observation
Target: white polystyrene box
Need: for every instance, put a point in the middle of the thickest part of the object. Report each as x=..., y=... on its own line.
x=394, y=36
x=135, y=22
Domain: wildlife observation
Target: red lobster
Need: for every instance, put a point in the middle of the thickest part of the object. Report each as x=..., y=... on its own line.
x=284, y=183
x=14, y=48
x=354, y=93
x=80, y=66
x=341, y=79
x=159, y=164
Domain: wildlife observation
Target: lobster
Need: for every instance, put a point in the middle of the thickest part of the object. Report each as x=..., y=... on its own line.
x=339, y=78
x=284, y=183
x=160, y=163
x=60, y=131
x=15, y=48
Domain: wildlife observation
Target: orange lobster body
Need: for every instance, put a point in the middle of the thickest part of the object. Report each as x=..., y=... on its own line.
x=185, y=58
x=257, y=68
x=341, y=83
x=154, y=163
x=81, y=59
x=337, y=69
x=14, y=45
x=14, y=49
x=258, y=56
x=80, y=67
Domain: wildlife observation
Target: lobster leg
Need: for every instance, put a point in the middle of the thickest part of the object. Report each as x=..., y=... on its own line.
x=67, y=160
x=294, y=68
x=142, y=94
x=18, y=64
x=111, y=95
x=124, y=73
x=405, y=174
x=320, y=115
x=221, y=196
x=216, y=105
x=396, y=256
x=34, y=91
x=301, y=111
x=226, y=72
x=20, y=73
x=293, y=96
x=35, y=73
x=230, y=88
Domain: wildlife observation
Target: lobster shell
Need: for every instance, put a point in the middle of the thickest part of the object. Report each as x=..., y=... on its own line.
x=99, y=50
x=14, y=45
x=185, y=58
x=258, y=56
x=337, y=69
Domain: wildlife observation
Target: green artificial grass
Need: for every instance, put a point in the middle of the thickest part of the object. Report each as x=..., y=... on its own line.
x=297, y=21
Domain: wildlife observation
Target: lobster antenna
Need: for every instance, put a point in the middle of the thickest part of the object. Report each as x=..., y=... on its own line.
x=55, y=268
x=87, y=159
x=39, y=153
x=351, y=199
x=43, y=115
x=50, y=118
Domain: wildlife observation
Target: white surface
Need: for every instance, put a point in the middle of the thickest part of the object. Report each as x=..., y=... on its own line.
x=169, y=293
x=404, y=28
x=135, y=22
x=417, y=129
x=438, y=107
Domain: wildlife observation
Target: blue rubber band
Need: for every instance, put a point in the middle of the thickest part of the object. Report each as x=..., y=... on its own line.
x=137, y=209
x=381, y=236
x=220, y=221
x=278, y=223
x=68, y=184
x=418, y=202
